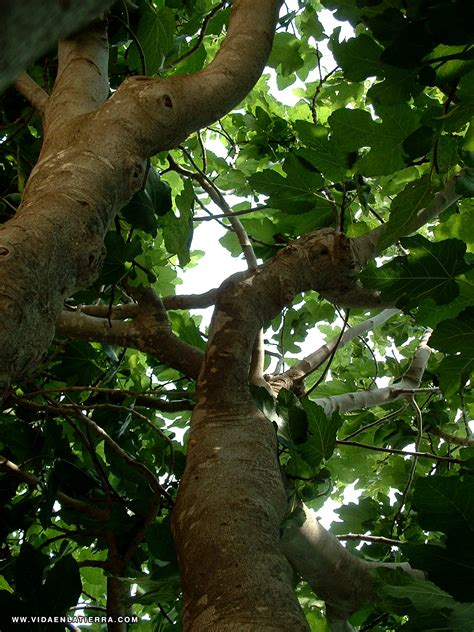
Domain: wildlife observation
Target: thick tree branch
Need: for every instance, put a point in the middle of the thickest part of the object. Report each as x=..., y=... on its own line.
x=130, y=310
x=91, y=164
x=149, y=331
x=404, y=388
x=341, y=579
x=168, y=110
x=82, y=81
x=32, y=91
x=227, y=431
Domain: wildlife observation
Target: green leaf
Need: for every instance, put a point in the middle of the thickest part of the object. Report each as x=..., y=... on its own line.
x=357, y=518
x=387, y=153
x=404, y=210
x=160, y=541
x=450, y=567
x=29, y=569
x=295, y=192
x=445, y=503
x=63, y=586
x=430, y=270
x=456, y=335
x=429, y=608
x=465, y=183
x=465, y=89
x=454, y=372
x=155, y=34
x=321, y=152
x=144, y=207
x=187, y=330
x=294, y=419
x=286, y=53
x=322, y=434
x=118, y=253
x=178, y=231
x=398, y=86
x=352, y=129
x=79, y=363
x=359, y=57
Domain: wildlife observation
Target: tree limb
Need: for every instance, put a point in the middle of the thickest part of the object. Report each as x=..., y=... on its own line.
x=32, y=91
x=91, y=164
x=149, y=332
x=403, y=388
x=342, y=580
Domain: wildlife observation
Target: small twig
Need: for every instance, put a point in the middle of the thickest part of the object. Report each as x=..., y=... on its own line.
x=218, y=199
x=137, y=43
x=370, y=538
x=248, y=211
x=95, y=513
x=322, y=80
x=424, y=455
x=201, y=36
x=449, y=438
x=331, y=357
x=465, y=418
x=394, y=413
x=411, y=476
x=203, y=151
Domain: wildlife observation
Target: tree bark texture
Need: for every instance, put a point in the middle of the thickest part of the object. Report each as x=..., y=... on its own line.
x=93, y=160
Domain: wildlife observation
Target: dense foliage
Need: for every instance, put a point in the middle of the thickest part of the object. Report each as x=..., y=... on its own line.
x=370, y=141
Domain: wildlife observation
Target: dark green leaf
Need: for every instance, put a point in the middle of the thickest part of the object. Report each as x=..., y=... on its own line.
x=63, y=586
x=359, y=57
x=465, y=183
x=429, y=608
x=29, y=570
x=155, y=34
x=178, y=230
x=160, y=541
x=352, y=129
x=456, y=335
x=430, y=270
x=445, y=503
x=143, y=209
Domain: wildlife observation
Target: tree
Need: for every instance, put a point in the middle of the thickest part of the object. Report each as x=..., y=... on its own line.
x=352, y=214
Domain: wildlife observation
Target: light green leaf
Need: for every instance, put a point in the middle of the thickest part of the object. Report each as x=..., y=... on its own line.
x=286, y=53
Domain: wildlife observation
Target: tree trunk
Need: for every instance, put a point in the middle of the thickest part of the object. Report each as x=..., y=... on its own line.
x=226, y=525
